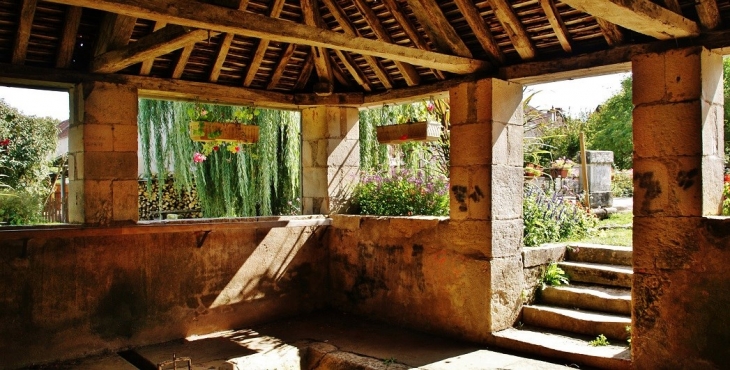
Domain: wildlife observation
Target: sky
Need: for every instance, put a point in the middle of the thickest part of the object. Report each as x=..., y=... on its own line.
x=573, y=96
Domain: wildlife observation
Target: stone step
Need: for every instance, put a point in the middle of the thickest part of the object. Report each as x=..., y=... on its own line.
x=588, y=297
x=597, y=253
x=596, y=273
x=567, y=347
x=589, y=323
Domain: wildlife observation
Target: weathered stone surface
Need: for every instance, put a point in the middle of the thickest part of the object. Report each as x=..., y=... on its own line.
x=599, y=157
x=110, y=165
x=577, y=321
x=472, y=145
x=589, y=297
x=542, y=255
x=109, y=104
x=682, y=118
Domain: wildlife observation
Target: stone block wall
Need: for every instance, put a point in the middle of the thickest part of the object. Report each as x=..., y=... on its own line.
x=77, y=292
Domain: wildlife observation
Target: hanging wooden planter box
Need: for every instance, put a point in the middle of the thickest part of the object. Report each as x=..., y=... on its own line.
x=418, y=131
x=224, y=131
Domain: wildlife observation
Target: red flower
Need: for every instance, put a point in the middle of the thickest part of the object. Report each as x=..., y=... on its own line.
x=5, y=142
x=404, y=137
x=430, y=107
x=238, y=148
x=216, y=148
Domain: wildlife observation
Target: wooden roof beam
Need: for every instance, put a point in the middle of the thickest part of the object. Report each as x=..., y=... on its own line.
x=115, y=32
x=355, y=72
x=513, y=28
x=481, y=30
x=708, y=13
x=673, y=5
x=349, y=30
x=613, y=35
x=147, y=64
x=556, y=22
x=322, y=63
x=68, y=38
x=153, y=45
x=258, y=56
x=439, y=30
x=409, y=73
x=305, y=73
x=182, y=60
x=233, y=4
x=220, y=57
x=22, y=37
x=194, y=14
x=641, y=16
x=281, y=67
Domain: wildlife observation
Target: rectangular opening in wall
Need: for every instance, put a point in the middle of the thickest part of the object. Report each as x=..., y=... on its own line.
x=202, y=160
x=404, y=160
x=33, y=156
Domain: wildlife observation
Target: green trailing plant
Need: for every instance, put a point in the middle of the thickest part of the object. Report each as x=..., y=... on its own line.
x=401, y=192
x=231, y=179
x=726, y=199
x=552, y=217
x=628, y=331
x=554, y=276
x=600, y=341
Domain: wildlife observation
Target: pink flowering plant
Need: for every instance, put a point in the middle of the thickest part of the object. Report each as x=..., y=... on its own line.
x=402, y=192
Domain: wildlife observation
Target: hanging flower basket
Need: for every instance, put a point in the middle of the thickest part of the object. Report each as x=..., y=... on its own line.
x=418, y=131
x=223, y=132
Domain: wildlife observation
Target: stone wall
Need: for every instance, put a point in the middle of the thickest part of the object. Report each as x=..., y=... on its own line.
x=69, y=293
x=426, y=273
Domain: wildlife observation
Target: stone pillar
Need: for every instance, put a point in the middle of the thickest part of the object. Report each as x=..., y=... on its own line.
x=678, y=163
x=103, y=154
x=486, y=186
x=599, y=164
x=330, y=158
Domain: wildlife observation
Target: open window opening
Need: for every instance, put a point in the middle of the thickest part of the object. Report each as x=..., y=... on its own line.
x=33, y=156
x=202, y=160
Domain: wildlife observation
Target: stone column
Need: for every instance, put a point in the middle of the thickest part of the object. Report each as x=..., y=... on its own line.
x=486, y=186
x=330, y=158
x=678, y=163
x=103, y=154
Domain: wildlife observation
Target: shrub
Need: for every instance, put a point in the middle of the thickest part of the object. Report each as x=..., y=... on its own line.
x=726, y=200
x=622, y=184
x=554, y=276
x=20, y=208
x=551, y=218
x=401, y=193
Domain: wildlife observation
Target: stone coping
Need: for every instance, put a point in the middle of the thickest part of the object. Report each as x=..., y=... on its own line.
x=543, y=254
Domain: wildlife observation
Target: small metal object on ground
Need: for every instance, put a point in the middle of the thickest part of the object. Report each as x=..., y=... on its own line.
x=166, y=364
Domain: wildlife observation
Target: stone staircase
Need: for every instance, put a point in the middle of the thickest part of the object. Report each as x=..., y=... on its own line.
x=565, y=318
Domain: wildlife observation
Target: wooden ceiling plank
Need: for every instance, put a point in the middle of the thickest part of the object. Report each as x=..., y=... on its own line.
x=216, y=18
x=708, y=13
x=220, y=58
x=349, y=30
x=481, y=30
x=409, y=73
x=355, y=72
x=673, y=5
x=22, y=37
x=114, y=33
x=556, y=22
x=68, y=37
x=321, y=59
x=613, y=35
x=281, y=67
x=147, y=64
x=339, y=75
x=182, y=60
x=442, y=33
x=258, y=56
x=513, y=28
x=153, y=45
x=410, y=31
x=641, y=16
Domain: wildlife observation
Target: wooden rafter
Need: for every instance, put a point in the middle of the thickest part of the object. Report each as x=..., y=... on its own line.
x=220, y=58
x=611, y=32
x=438, y=28
x=673, y=5
x=641, y=16
x=258, y=56
x=281, y=67
x=321, y=59
x=305, y=73
x=195, y=14
x=708, y=13
x=147, y=64
x=349, y=30
x=151, y=46
x=116, y=29
x=355, y=72
x=410, y=75
x=68, y=38
x=395, y=10
x=513, y=28
x=27, y=13
x=556, y=22
x=182, y=60
x=233, y=4
x=481, y=30
x=339, y=75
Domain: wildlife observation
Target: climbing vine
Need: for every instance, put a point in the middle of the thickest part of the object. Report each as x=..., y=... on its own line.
x=232, y=180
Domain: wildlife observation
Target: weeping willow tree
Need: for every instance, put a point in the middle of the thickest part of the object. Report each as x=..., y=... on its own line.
x=433, y=156
x=232, y=180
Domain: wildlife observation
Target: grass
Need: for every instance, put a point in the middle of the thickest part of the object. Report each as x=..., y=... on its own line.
x=613, y=231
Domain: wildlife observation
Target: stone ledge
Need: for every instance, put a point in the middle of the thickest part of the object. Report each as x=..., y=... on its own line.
x=542, y=255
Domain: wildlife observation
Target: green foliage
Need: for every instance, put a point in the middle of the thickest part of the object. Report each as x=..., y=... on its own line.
x=20, y=207
x=726, y=94
x=622, y=184
x=628, y=331
x=600, y=340
x=554, y=276
x=726, y=199
x=243, y=180
x=563, y=139
x=551, y=217
x=612, y=127
x=401, y=193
